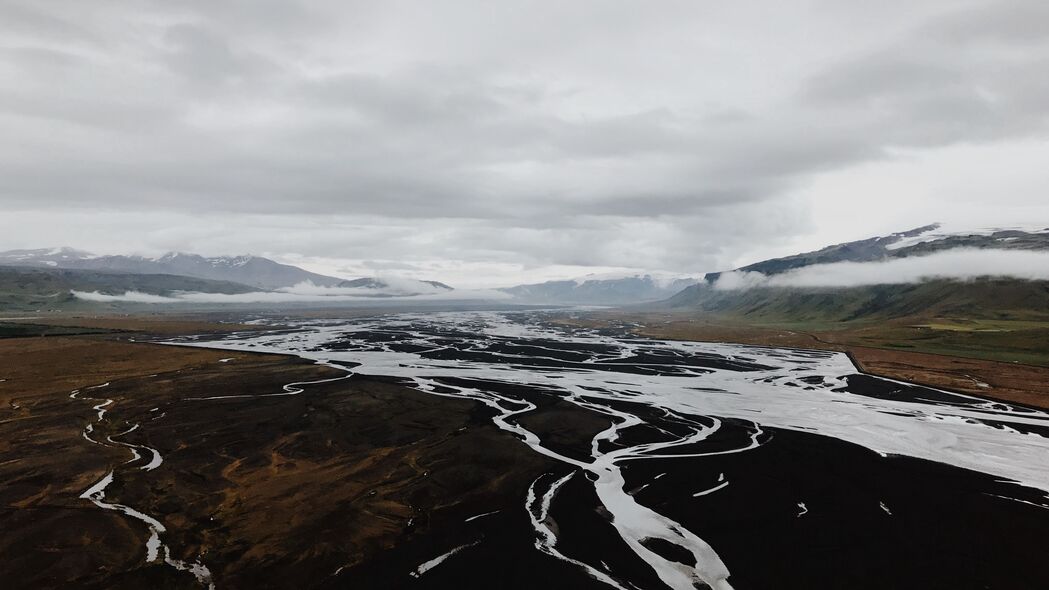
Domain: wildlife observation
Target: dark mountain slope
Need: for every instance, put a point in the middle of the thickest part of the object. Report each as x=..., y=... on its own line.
x=916, y=242
x=985, y=298
x=38, y=288
x=600, y=291
x=978, y=299
x=858, y=251
x=384, y=285
x=256, y=271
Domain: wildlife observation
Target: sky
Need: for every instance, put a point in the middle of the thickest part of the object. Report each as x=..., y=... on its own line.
x=493, y=143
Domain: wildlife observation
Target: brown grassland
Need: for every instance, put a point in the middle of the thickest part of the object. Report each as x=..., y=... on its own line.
x=246, y=483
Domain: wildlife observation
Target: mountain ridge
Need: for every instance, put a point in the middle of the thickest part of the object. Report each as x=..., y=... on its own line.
x=988, y=297
x=914, y=242
x=632, y=289
x=255, y=271
x=28, y=287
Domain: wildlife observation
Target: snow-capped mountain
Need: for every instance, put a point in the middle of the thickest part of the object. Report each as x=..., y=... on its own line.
x=255, y=271
x=916, y=242
x=53, y=257
x=934, y=269
x=939, y=236
x=602, y=289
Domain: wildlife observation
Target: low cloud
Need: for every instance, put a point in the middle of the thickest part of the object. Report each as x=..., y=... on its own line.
x=298, y=294
x=391, y=287
x=958, y=264
x=127, y=297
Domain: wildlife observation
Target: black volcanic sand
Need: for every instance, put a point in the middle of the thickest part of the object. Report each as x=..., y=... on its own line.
x=945, y=529
x=867, y=521
x=361, y=477
x=272, y=492
x=869, y=386
x=357, y=482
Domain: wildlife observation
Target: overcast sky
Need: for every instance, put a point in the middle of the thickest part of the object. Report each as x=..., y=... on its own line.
x=489, y=143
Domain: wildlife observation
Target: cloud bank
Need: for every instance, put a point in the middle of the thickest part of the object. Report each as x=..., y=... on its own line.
x=397, y=290
x=957, y=264
x=390, y=287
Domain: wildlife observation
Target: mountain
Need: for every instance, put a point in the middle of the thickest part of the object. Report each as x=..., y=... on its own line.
x=643, y=288
x=977, y=299
x=391, y=287
x=53, y=257
x=916, y=242
x=990, y=298
x=45, y=279
x=598, y=290
x=255, y=271
x=23, y=287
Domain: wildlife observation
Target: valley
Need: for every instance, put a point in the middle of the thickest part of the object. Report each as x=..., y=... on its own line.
x=524, y=295
x=634, y=460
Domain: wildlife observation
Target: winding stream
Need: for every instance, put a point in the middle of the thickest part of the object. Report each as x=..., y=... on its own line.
x=662, y=400
x=96, y=494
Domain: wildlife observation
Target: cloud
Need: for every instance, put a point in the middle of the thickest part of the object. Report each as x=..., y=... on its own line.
x=127, y=297
x=523, y=134
x=956, y=264
x=398, y=290
x=388, y=287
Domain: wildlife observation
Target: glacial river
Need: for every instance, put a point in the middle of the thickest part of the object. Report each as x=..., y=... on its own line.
x=666, y=402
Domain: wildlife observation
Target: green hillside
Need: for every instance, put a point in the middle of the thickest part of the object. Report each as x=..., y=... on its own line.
x=36, y=288
x=994, y=319
x=992, y=299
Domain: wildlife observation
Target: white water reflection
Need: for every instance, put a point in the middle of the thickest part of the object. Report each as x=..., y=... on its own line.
x=696, y=386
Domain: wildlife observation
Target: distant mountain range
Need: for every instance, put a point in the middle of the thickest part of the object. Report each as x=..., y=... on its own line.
x=25, y=287
x=596, y=290
x=682, y=292
x=916, y=242
x=253, y=271
x=986, y=297
x=395, y=286
x=44, y=278
x=989, y=298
